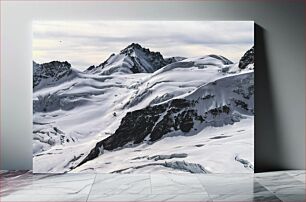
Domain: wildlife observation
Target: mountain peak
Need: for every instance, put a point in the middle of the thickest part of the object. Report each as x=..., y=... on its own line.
x=247, y=59
x=130, y=48
x=133, y=47
x=50, y=72
x=132, y=59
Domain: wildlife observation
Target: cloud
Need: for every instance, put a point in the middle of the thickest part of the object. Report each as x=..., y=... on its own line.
x=87, y=43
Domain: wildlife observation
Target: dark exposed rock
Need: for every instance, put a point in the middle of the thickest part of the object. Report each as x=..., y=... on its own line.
x=208, y=97
x=140, y=157
x=90, y=68
x=185, y=120
x=179, y=103
x=246, y=93
x=75, y=158
x=52, y=71
x=218, y=110
x=199, y=145
x=136, y=54
x=241, y=104
x=154, y=58
x=247, y=58
x=162, y=127
x=245, y=88
x=162, y=98
x=58, y=130
x=134, y=127
x=182, y=121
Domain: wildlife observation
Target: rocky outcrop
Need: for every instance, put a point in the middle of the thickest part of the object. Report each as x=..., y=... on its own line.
x=179, y=116
x=132, y=59
x=247, y=59
x=50, y=73
x=154, y=59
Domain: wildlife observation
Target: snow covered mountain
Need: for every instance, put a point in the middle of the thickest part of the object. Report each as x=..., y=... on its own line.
x=132, y=59
x=171, y=115
x=51, y=73
x=247, y=59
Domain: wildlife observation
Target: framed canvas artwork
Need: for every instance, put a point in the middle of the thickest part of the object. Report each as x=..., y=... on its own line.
x=143, y=96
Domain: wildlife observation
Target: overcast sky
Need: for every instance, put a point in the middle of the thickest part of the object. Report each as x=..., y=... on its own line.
x=84, y=43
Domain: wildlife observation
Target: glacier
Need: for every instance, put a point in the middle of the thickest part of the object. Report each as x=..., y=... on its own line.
x=139, y=112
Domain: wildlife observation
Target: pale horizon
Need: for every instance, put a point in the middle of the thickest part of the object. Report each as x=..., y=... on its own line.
x=86, y=43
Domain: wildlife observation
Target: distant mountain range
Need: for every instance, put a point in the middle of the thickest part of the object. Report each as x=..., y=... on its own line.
x=140, y=112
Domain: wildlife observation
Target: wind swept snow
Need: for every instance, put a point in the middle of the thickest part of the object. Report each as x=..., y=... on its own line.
x=138, y=112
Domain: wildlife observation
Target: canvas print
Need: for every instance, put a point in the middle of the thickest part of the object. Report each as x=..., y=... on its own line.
x=143, y=96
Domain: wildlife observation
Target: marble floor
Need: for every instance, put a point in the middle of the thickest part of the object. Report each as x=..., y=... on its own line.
x=271, y=186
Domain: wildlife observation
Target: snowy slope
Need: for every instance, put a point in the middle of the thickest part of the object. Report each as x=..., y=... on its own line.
x=212, y=148
x=192, y=115
x=218, y=103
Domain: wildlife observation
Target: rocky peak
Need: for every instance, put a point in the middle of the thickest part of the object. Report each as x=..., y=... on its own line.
x=132, y=59
x=132, y=47
x=247, y=58
x=51, y=71
x=55, y=67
